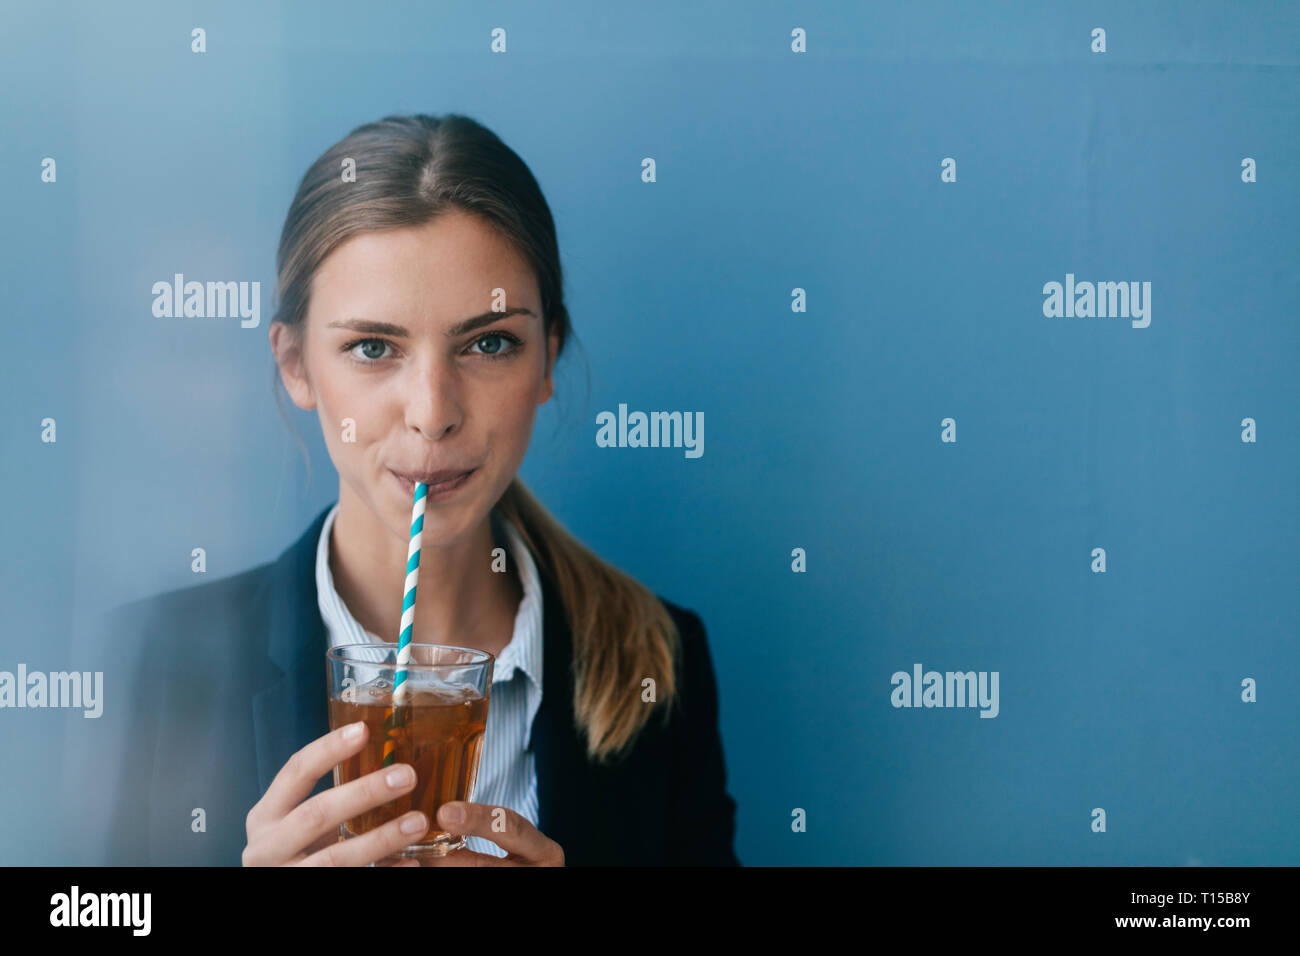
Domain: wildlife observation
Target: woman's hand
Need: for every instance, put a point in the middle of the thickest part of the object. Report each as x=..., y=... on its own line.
x=525, y=845
x=283, y=830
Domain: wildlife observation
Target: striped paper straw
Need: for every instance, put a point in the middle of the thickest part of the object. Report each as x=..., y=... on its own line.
x=400, y=692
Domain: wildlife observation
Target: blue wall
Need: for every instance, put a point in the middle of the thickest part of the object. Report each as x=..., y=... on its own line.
x=776, y=170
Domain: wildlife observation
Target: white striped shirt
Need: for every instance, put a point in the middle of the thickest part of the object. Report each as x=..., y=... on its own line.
x=507, y=773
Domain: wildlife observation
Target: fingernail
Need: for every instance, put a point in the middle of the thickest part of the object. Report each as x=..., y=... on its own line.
x=452, y=813
x=353, y=731
x=413, y=823
x=399, y=776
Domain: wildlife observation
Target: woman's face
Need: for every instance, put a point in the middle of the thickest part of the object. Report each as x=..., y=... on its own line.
x=405, y=338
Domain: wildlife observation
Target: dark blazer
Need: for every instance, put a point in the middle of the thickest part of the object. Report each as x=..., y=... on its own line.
x=231, y=682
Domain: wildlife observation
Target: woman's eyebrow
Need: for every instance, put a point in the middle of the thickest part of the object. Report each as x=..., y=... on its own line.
x=401, y=332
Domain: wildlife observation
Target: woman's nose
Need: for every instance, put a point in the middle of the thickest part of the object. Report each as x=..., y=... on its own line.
x=433, y=402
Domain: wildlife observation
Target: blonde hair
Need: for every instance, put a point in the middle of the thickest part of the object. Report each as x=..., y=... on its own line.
x=622, y=633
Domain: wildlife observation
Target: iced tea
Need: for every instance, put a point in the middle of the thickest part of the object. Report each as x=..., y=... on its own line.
x=438, y=733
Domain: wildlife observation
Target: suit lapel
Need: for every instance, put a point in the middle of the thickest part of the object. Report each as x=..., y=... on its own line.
x=559, y=757
x=293, y=710
x=601, y=814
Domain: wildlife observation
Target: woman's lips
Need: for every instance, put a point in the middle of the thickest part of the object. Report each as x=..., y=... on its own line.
x=435, y=492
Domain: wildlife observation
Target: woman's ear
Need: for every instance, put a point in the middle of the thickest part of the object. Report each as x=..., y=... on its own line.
x=288, y=356
x=548, y=383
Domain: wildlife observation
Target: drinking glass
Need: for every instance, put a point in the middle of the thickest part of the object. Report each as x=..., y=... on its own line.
x=437, y=727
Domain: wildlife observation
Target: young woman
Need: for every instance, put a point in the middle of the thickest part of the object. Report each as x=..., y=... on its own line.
x=421, y=312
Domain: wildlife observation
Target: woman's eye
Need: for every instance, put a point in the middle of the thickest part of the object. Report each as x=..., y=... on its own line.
x=494, y=340
x=368, y=347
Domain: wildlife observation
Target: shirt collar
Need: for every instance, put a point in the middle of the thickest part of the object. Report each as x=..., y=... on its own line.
x=524, y=652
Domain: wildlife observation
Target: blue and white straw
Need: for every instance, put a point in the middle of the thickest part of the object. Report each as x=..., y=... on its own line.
x=408, y=616
x=412, y=578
